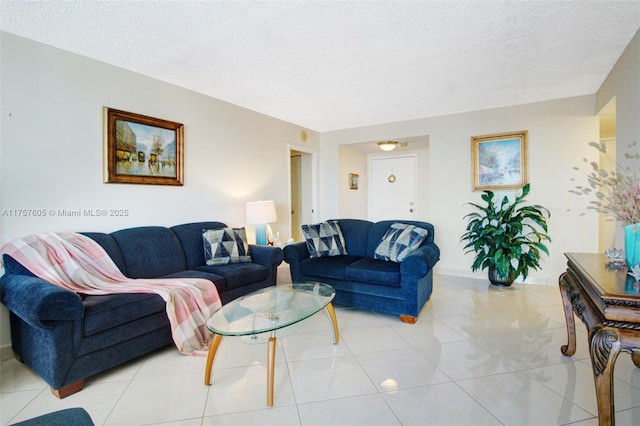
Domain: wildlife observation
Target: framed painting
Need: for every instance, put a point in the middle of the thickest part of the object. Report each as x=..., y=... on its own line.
x=143, y=150
x=353, y=180
x=499, y=161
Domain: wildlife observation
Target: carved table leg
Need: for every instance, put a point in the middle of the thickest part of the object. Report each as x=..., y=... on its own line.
x=604, y=348
x=570, y=348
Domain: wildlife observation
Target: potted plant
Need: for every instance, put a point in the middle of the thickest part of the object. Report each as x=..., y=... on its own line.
x=507, y=238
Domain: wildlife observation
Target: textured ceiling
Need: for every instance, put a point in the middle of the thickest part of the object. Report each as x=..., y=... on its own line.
x=334, y=65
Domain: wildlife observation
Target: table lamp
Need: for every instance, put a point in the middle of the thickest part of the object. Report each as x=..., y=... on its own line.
x=260, y=213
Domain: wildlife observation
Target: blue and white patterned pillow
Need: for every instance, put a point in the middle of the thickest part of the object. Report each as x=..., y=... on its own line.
x=324, y=239
x=225, y=245
x=399, y=241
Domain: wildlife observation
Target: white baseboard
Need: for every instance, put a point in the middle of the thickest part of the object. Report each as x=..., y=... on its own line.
x=466, y=273
x=6, y=353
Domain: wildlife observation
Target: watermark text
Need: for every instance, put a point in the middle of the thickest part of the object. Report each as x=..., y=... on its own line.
x=88, y=212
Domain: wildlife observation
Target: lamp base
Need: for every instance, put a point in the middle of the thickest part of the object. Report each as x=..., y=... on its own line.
x=261, y=234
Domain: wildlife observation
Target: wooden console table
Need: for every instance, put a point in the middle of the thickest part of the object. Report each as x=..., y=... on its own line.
x=608, y=302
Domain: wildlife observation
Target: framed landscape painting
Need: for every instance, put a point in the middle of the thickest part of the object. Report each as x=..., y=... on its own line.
x=141, y=149
x=499, y=161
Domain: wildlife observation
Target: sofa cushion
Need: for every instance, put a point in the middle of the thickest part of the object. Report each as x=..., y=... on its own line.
x=379, y=229
x=112, y=310
x=374, y=271
x=219, y=281
x=328, y=267
x=399, y=241
x=324, y=239
x=150, y=251
x=125, y=340
x=12, y=266
x=225, y=245
x=190, y=236
x=238, y=275
x=356, y=236
x=110, y=246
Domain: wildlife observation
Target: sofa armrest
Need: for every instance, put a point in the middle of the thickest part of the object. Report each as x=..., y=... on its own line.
x=37, y=301
x=296, y=252
x=268, y=256
x=293, y=255
x=420, y=261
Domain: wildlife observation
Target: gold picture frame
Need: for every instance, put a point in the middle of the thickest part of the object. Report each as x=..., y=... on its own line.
x=142, y=150
x=499, y=161
x=353, y=181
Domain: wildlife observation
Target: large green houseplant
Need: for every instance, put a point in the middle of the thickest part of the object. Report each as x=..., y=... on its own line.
x=507, y=238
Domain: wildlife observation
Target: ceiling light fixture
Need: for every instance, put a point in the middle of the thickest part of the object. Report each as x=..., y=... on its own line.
x=387, y=145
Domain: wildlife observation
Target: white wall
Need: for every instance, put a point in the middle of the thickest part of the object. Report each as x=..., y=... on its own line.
x=51, y=149
x=353, y=203
x=558, y=135
x=623, y=85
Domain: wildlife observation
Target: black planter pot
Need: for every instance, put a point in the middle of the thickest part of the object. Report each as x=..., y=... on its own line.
x=499, y=281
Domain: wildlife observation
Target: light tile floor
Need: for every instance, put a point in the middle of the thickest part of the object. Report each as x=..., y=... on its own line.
x=478, y=355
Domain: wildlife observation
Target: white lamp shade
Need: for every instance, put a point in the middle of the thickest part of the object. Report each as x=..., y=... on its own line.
x=260, y=212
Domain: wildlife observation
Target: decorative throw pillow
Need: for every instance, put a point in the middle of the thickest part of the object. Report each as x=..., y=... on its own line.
x=324, y=239
x=399, y=240
x=225, y=245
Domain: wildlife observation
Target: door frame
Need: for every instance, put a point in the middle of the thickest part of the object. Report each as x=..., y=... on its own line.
x=370, y=188
x=314, y=181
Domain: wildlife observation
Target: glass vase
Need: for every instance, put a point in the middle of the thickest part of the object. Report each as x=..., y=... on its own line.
x=632, y=244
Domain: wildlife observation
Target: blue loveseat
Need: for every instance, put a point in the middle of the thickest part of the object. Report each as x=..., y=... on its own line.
x=65, y=337
x=362, y=281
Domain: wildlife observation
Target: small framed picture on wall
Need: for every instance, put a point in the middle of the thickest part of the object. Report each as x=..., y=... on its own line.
x=353, y=180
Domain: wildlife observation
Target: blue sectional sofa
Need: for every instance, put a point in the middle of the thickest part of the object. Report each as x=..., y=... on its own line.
x=363, y=281
x=65, y=337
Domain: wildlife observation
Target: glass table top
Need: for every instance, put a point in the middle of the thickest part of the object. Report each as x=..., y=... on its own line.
x=270, y=309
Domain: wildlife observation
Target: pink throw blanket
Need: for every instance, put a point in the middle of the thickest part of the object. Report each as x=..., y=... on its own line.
x=80, y=264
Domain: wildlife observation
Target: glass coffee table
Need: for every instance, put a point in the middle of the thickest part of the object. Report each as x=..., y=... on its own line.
x=259, y=315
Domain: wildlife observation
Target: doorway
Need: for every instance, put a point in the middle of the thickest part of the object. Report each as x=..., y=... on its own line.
x=301, y=190
x=392, y=188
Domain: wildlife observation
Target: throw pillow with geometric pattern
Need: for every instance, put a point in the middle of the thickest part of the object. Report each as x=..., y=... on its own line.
x=324, y=239
x=225, y=245
x=399, y=241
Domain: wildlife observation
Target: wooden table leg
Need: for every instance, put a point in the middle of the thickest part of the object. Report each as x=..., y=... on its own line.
x=604, y=348
x=217, y=338
x=570, y=348
x=271, y=361
x=334, y=322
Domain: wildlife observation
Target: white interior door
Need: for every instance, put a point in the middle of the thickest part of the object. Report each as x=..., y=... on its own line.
x=306, y=190
x=302, y=176
x=296, y=195
x=392, y=188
